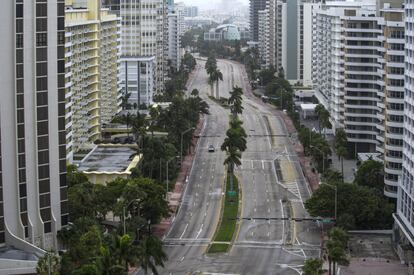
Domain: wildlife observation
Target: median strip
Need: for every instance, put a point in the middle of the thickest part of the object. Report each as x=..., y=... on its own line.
x=227, y=225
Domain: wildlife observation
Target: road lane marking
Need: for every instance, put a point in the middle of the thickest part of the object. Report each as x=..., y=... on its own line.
x=184, y=231
x=283, y=222
x=263, y=164
x=199, y=231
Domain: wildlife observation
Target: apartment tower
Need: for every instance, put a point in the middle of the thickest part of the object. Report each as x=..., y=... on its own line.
x=255, y=7
x=144, y=41
x=404, y=216
x=33, y=198
x=91, y=51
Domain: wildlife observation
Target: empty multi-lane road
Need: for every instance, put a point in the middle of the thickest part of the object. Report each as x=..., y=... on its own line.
x=272, y=186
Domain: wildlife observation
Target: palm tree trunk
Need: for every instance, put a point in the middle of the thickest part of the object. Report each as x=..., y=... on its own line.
x=334, y=268
x=212, y=89
x=217, y=89
x=329, y=264
x=342, y=167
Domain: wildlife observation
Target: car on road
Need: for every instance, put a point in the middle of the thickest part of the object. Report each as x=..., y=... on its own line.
x=211, y=148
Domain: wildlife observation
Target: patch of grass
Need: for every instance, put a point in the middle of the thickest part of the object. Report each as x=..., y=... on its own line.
x=218, y=248
x=227, y=225
x=222, y=101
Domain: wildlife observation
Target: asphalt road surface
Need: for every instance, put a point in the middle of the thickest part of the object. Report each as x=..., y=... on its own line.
x=273, y=186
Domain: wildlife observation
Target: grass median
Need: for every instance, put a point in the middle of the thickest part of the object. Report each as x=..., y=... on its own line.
x=227, y=227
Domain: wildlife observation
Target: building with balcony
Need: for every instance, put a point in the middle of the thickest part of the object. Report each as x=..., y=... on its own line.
x=404, y=216
x=391, y=99
x=33, y=189
x=92, y=60
x=267, y=35
x=255, y=7
x=175, y=31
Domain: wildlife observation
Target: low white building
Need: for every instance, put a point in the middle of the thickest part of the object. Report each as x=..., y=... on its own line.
x=223, y=32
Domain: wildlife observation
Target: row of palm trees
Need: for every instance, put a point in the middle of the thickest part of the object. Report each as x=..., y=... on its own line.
x=235, y=142
x=215, y=75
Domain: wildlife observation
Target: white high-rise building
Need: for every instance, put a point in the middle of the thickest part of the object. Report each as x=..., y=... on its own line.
x=143, y=40
x=175, y=31
x=404, y=216
x=267, y=34
x=33, y=200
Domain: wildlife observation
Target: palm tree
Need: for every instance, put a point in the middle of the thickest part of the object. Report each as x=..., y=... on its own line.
x=341, y=146
x=235, y=101
x=233, y=159
x=151, y=255
x=235, y=138
x=313, y=267
x=215, y=77
x=123, y=251
x=336, y=246
x=318, y=111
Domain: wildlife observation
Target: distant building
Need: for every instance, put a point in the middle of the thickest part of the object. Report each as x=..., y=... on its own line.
x=223, y=32
x=143, y=59
x=92, y=60
x=255, y=7
x=175, y=31
x=267, y=35
x=191, y=11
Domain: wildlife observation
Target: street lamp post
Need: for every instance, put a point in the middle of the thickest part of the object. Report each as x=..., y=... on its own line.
x=168, y=161
x=124, y=214
x=181, y=147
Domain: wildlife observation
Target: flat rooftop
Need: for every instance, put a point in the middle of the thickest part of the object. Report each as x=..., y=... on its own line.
x=108, y=159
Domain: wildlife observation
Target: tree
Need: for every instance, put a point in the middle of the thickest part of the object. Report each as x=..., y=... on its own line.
x=313, y=267
x=215, y=77
x=336, y=248
x=233, y=159
x=151, y=255
x=371, y=173
x=49, y=264
x=323, y=117
x=369, y=209
x=341, y=142
x=235, y=101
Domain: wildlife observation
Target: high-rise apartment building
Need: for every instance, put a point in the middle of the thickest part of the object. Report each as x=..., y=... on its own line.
x=391, y=98
x=113, y=6
x=267, y=35
x=33, y=197
x=191, y=11
x=144, y=42
x=404, y=216
x=175, y=30
x=358, y=63
x=91, y=50
x=255, y=7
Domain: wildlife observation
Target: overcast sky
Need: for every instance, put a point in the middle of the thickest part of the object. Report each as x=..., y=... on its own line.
x=206, y=4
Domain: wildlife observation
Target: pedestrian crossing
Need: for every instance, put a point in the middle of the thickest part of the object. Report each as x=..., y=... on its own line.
x=292, y=187
x=249, y=164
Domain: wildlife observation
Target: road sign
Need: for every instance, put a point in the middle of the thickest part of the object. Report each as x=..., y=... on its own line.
x=232, y=193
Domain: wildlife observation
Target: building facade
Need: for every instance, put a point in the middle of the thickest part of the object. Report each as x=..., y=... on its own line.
x=267, y=35
x=32, y=122
x=391, y=99
x=404, y=216
x=175, y=22
x=92, y=47
x=144, y=49
x=255, y=7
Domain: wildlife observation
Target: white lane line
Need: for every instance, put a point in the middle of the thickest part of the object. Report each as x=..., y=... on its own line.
x=263, y=164
x=201, y=177
x=182, y=259
x=300, y=196
x=268, y=210
x=255, y=210
x=199, y=231
x=283, y=222
x=268, y=234
x=185, y=229
x=252, y=164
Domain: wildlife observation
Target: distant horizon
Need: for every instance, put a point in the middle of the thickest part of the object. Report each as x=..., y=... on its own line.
x=206, y=5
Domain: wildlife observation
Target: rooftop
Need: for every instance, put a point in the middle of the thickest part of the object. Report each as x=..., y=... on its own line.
x=109, y=159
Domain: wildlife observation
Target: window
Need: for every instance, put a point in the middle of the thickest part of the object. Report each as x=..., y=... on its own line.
x=44, y=186
x=41, y=84
x=41, y=10
x=42, y=128
x=43, y=171
x=41, y=39
x=41, y=24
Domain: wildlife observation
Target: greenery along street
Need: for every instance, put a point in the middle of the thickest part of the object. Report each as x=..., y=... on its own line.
x=234, y=145
x=110, y=225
